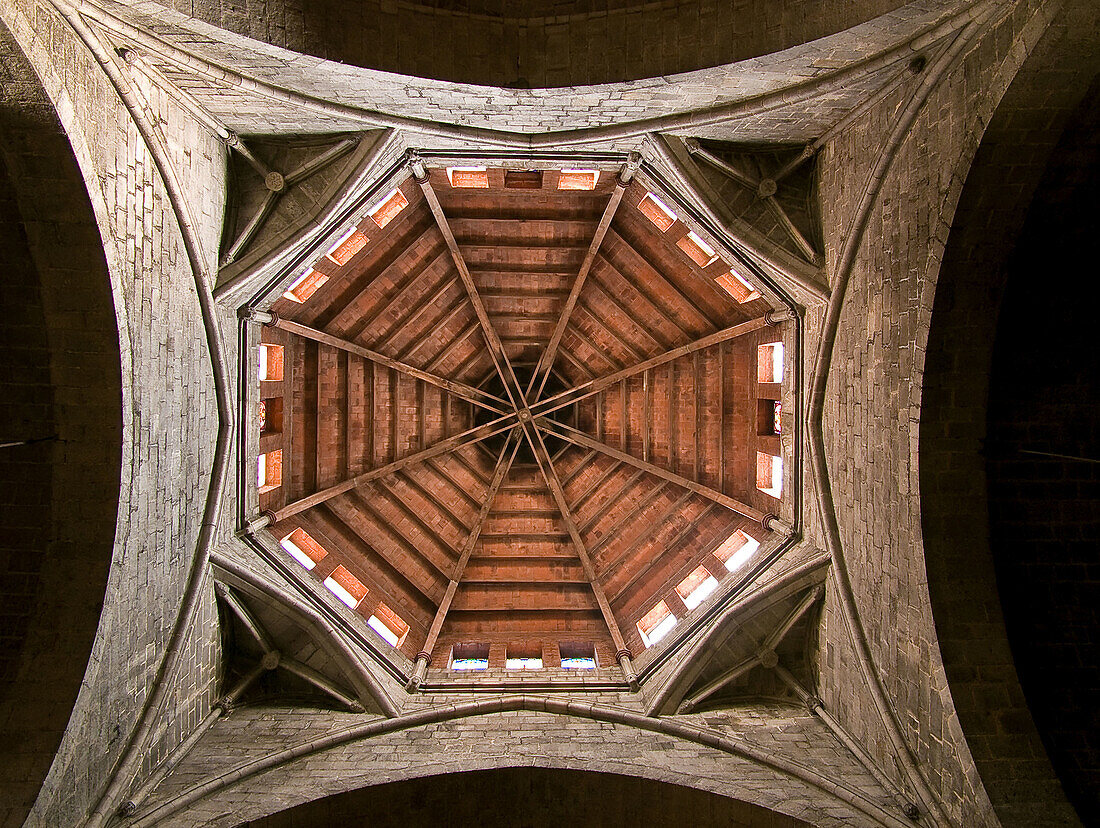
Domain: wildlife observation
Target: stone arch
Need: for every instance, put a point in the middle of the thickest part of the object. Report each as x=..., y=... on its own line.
x=535, y=796
x=62, y=386
x=520, y=45
x=1042, y=83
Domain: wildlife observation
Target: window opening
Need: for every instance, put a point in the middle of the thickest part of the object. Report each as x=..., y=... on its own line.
x=388, y=624
x=269, y=470
x=477, y=177
x=777, y=417
x=470, y=657
x=523, y=179
x=769, y=474
x=695, y=588
x=387, y=209
x=271, y=415
x=305, y=286
x=523, y=663
x=736, y=550
x=303, y=548
x=578, y=179
x=271, y=362
x=346, y=587
x=769, y=362
x=697, y=250
x=349, y=243
x=577, y=655
x=738, y=286
x=657, y=211
x=656, y=624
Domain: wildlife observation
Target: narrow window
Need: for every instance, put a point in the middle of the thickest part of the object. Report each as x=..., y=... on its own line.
x=305, y=286
x=271, y=362
x=578, y=179
x=523, y=179
x=346, y=587
x=269, y=471
x=738, y=286
x=470, y=657
x=523, y=658
x=271, y=415
x=387, y=209
x=736, y=550
x=389, y=625
x=697, y=250
x=656, y=624
x=351, y=241
x=303, y=548
x=769, y=474
x=476, y=177
x=777, y=416
x=577, y=655
x=657, y=211
x=769, y=362
x=694, y=589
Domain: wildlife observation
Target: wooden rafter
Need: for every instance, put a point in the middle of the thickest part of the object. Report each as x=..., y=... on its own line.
x=460, y=389
x=504, y=464
x=587, y=389
x=581, y=439
x=466, y=438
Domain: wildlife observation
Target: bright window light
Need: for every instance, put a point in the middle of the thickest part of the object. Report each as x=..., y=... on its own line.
x=523, y=663
x=738, y=286
x=736, y=550
x=351, y=241
x=271, y=362
x=470, y=664
x=769, y=474
x=769, y=362
x=304, y=549
x=470, y=657
x=305, y=286
x=387, y=209
x=656, y=624
x=578, y=179
x=697, y=250
x=346, y=587
x=579, y=663
x=476, y=177
x=657, y=211
x=269, y=470
x=694, y=589
x=375, y=623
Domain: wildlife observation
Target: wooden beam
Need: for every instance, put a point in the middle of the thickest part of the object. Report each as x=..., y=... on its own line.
x=504, y=464
x=581, y=439
x=496, y=347
x=461, y=389
x=542, y=457
x=546, y=361
x=468, y=437
x=587, y=389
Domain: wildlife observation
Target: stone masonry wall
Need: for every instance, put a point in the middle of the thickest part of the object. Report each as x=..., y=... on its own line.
x=169, y=418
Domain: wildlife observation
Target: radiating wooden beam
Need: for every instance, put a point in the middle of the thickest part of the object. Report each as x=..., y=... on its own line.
x=468, y=437
x=492, y=340
x=542, y=457
x=587, y=389
x=460, y=389
x=546, y=361
x=582, y=439
x=504, y=464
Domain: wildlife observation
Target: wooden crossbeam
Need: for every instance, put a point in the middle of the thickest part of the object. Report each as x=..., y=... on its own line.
x=581, y=439
x=466, y=438
x=460, y=389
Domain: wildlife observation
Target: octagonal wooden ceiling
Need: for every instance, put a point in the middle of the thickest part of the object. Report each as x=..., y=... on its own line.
x=517, y=414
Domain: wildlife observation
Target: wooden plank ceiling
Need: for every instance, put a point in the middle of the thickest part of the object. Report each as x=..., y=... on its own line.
x=473, y=538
